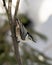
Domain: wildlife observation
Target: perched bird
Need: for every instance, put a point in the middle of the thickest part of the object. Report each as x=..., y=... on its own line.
x=21, y=32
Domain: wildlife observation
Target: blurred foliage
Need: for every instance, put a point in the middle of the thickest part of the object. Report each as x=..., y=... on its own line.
x=29, y=55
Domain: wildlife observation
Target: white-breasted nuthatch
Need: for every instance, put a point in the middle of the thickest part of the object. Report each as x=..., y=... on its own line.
x=21, y=32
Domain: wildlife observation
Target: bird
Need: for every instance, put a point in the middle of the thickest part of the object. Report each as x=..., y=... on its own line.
x=22, y=33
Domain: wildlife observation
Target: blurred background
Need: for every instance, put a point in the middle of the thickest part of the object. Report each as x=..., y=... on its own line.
x=36, y=16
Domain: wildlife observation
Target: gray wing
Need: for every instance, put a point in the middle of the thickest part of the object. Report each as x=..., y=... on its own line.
x=23, y=31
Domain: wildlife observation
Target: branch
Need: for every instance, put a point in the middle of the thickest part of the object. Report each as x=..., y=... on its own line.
x=4, y=4
x=13, y=28
x=16, y=9
x=15, y=43
x=9, y=10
